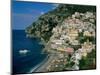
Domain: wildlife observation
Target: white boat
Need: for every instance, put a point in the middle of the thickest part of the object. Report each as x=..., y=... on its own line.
x=24, y=51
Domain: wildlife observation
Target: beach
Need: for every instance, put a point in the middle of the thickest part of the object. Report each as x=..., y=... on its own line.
x=43, y=65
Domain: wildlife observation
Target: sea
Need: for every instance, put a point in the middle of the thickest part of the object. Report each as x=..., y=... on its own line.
x=23, y=63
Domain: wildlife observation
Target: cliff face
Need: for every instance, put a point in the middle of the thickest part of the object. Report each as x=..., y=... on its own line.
x=42, y=28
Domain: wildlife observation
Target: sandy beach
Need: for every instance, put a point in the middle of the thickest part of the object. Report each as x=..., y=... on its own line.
x=43, y=65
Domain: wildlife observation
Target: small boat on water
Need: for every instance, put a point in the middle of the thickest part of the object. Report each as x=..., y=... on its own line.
x=24, y=51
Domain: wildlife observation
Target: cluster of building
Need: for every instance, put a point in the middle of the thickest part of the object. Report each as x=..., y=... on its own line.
x=65, y=36
x=57, y=64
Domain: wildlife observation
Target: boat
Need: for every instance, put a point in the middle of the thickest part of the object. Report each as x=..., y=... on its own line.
x=24, y=51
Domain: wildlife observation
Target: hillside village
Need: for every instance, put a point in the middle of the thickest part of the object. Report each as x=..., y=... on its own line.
x=68, y=34
x=66, y=43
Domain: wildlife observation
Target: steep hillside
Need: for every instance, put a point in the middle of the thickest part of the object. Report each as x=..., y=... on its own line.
x=43, y=26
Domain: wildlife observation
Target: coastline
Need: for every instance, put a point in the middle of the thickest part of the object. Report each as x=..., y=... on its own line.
x=35, y=68
x=43, y=65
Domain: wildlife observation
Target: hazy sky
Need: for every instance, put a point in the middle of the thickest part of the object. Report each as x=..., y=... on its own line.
x=24, y=13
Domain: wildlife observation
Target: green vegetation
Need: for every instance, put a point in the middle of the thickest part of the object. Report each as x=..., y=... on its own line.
x=88, y=62
x=42, y=28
